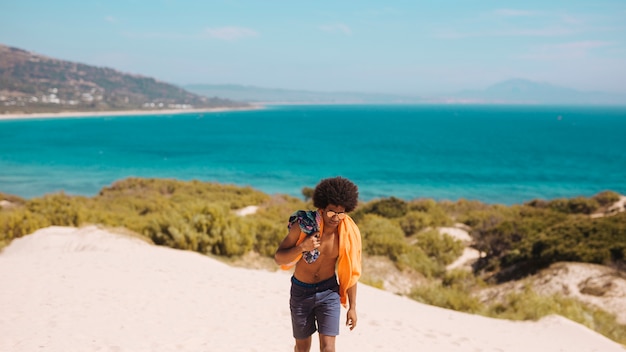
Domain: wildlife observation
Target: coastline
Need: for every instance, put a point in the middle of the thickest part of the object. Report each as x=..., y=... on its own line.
x=57, y=115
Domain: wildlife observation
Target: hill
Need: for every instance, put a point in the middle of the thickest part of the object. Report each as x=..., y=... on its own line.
x=30, y=83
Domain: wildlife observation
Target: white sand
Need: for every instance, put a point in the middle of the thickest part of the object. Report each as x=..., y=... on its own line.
x=52, y=115
x=458, y=233
x=470, y=255
x=249, y=210
x=65, y=289
x=465, y=261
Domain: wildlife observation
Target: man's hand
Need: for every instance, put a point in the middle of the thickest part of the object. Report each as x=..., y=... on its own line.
x=311, y=242
x=351, y=318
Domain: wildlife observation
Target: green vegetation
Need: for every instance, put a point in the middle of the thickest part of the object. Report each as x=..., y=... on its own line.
x=451, y=292
x=520, y=240
x=186, y=215
x=515, y=241
x=527, y=305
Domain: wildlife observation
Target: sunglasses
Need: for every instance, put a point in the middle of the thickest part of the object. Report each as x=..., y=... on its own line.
x=340, y=215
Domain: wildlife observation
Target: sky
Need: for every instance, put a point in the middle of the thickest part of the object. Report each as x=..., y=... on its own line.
x=406, y=47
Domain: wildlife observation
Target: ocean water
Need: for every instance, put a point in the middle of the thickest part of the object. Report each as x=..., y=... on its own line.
x=495, y=154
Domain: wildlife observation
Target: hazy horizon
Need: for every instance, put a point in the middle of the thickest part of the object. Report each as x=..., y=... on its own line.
x=398, y=47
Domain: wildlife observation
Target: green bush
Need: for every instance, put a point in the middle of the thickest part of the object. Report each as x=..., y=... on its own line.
x=307, y=193
x=236, y=239
x=415, y=221
x=449, y=297
x=442, y=249
x=414, y=258
x=268, y=235
x=381, y=236
x=528, y=305
x=578, y=205
x=479, y=220
x=606, y=198
x=599, y=240
x=387, y=207
x=504, y=237
x=60, y=209
x=461, y=279
x=437, y=214
x=19, y=222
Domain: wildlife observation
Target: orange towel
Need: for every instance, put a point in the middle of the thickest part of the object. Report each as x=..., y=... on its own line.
x=349, y=262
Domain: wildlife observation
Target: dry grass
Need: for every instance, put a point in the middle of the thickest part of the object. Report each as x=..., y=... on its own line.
x=597, y=285
x=381, y=272
x=250, y=260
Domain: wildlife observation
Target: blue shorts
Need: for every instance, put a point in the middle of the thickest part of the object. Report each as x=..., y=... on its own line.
x=314, y=303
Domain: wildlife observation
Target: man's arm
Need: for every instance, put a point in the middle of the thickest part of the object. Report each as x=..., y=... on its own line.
x=351, y=316
x=288, y=251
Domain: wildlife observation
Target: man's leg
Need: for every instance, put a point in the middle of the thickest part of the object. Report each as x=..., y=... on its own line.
x=327, y=343
x=303, y=345
x=301, y=304
x=327, y=312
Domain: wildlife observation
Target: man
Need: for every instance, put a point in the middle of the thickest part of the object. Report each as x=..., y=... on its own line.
x=323, y=240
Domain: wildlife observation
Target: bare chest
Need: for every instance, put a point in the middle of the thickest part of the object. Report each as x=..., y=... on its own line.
x=324, y=266
x=329, y=246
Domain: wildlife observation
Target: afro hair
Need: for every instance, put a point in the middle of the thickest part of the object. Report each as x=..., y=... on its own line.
x=338, y=191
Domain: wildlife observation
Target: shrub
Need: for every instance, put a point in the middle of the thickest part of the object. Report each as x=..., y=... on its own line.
x=236, y=239
x=600, y=240
x=578, y=205
x=449, y=297
x=438, y=216
x=460, y=279
x=442, y=249
x=60, y=209
x=268, y=235
x=606, y=198
x=415, y=221
x=380, y=236
x=459, y=208
x=18, y=222
x=388, y=207
x=414, y=258
x=528, y=305
x=506, y=236
x=307, y=193
x=227, y=235
x=479, y=220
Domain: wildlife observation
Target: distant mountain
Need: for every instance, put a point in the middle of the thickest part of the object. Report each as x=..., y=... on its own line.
x=34, y=83
x=514, y=91
x=520, y=91
x=271, y=95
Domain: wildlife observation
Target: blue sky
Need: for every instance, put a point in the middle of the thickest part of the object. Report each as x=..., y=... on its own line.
x=410, y=47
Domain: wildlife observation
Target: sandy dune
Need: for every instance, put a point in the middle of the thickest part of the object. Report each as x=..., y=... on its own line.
x=66, y=289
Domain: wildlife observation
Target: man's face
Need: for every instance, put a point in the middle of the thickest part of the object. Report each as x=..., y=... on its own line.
x=333, y=214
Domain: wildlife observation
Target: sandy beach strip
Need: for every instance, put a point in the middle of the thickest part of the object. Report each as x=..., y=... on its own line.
x=87, y=289
x=58, y=115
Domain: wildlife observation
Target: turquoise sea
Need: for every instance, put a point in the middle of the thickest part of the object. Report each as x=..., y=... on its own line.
x=495, y=154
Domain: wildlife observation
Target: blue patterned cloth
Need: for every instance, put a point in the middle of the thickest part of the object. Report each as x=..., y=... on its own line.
x=309, y=222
